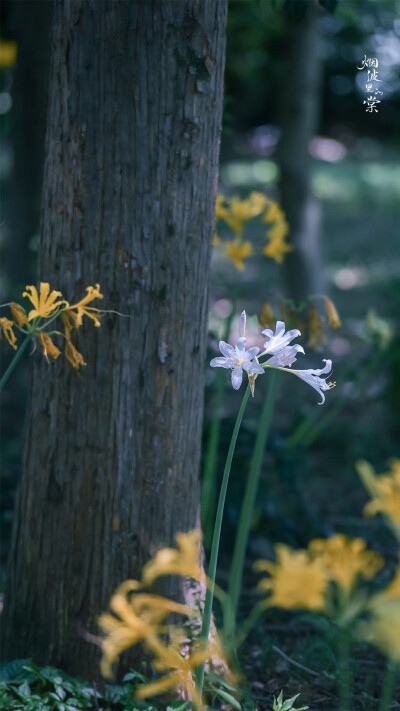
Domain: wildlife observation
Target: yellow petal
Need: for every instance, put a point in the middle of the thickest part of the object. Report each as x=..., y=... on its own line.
x=18, y=314
x=49, y=349
x=7, y=328
x=333, y=316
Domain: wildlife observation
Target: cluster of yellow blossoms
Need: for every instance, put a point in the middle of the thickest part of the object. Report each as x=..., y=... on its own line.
x=140, y=616
x=47, y=307
x=325, y=577
x=235, y=212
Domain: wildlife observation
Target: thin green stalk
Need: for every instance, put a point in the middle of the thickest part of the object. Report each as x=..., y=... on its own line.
x=246, y=515
x=209, y=485
x=344, y=671
x=389, y=685
x=14, y=361
x=205, y=629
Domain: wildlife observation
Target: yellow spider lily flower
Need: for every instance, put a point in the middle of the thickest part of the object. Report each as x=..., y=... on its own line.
x=180, y=675
x=183, y=560
x=265, y=316
x=18, y=314
x=316, y=333
x=7, y=328
x=221, y=210
x=296, y=580
x=332, y=313
x=237, y=251
x=82, y=308
x=277, y=249
x=49, y=349
x=346, y=559
x=383, y=628
x=44, y=305
x=273, y=213
x=136, y=619
x=72, y=355
x=384, y=490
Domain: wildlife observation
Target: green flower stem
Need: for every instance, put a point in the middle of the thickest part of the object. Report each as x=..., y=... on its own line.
x=389, y=685
x=246, y=515
x=209, y=485
x=14, y=361
x=216, y=536
x=344, y=670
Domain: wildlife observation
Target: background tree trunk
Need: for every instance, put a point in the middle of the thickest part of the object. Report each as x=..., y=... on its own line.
x=111, y=461
x=300, y=104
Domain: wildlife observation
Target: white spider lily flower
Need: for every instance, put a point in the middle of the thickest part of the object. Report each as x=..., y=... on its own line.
x=312, y=377
x=237, y=359
x=286, y=357
x=277, y=341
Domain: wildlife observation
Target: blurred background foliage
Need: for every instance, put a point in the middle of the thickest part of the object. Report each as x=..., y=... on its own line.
x=294, y=128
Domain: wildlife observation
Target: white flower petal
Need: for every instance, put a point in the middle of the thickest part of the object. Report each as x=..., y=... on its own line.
x=240, y=344
x=252, y=352
x=236, y=377
x=220, y=363
x=227, y=350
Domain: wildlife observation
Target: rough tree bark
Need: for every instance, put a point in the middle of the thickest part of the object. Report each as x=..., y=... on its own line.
x=110, y=467
x=299, y=116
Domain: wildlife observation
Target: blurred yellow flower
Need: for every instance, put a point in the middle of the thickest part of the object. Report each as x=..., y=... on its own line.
x=265, y=316
x=332, y=313
x=8, y=53
x=7, y=328
x=216, y=240
x=383, y=628
x=49, y=349
x=237, y=251
x=221, y=210
x=181, y=672
x=44, y=305
x=392, y=590
x=296, y=580
x=278, y=231
x=384, y=490
x=277, y=250
x=345, y=559
x=273, y=213
x=18, y=314
x=316, y=333
x=136, y=619
x=72, y=355
x=183, y=560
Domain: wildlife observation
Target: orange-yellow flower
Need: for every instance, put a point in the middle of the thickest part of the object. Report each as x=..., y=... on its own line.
x=265, y=316
x=180, y=670
x=346, y=559
x=383, y=628
x=183, y=560
x=73, y=355
x=384, y=490
x=332, y=313
x=316, y=333
x=136, y=619
x=18, y=314
x=49, y=349
x=273, y=213
x=237, y=251
x=7, y=328
x=82, y=308
x=296, y=580
x=44, y=305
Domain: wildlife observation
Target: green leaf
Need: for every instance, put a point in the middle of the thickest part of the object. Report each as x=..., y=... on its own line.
x=229, y=698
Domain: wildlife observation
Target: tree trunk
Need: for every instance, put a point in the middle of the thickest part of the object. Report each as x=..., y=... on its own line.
x=300, y=103
x=110, y=468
